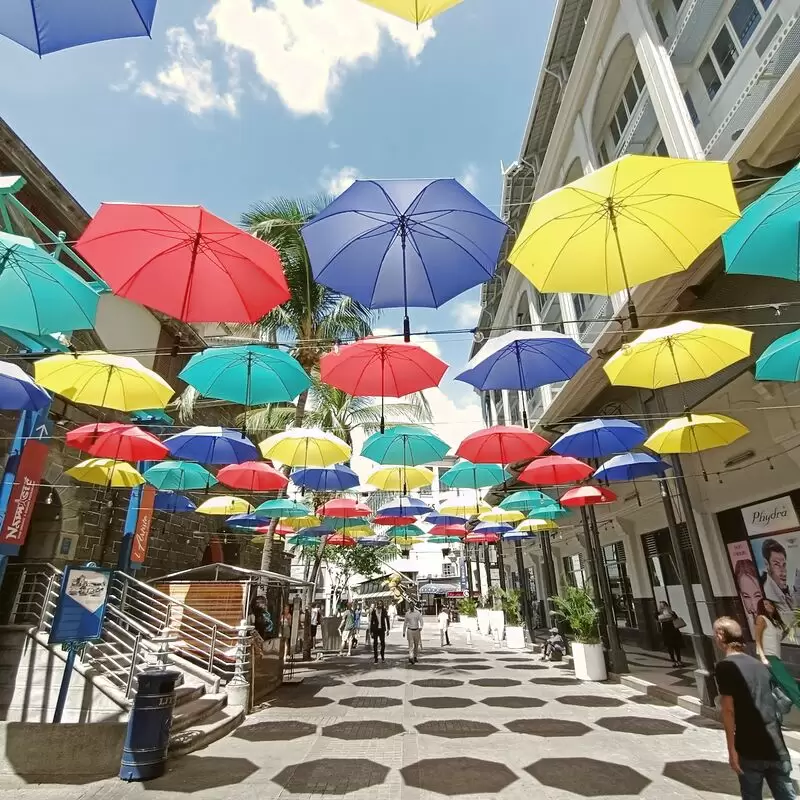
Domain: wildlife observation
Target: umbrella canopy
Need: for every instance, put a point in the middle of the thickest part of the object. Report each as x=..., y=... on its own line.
x=501, y=515
x=443, y=539
x=345, y=508
x=587, y=496
x=340, y=540
x=493, y=527
x=48, y=27
x=305, y=447
x=179, y=476
x=685, y=351
x=502, y=444
x=224, y=506
x=466, y=475
x=336, y=478
x=765, y=241
x=781, y=360
x=118, y=441
x=173, y=503
x=252, y=374
x=211, y=444
x=252, y=476
x=554, y=470
x=445, y=519
x=525, y=500
x=352, y=525
x=552, y=510
x=378, y=540
x=283, y=508
x=184, y=261
x=404, y=445
x=536, y=526
x=464, y=507
x=438, y=588
x=18, y=391
x=301, y=540
x=694, y=433
x=404, y=532
x=106, y=472
x=404, y=507
x=417, y=11
x=396, y=479
x=599, y=437
x=38, y=294
x=630, y=467
x=249, y=521
x=417, y=243
x=299, y=523
x=313, y=531
x=101, y=379
x=482, y=538
x=388, y=519
x=453, y=531
x=516, y=536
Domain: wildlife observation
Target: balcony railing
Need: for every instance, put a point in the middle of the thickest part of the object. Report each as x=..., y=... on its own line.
x=693, y=27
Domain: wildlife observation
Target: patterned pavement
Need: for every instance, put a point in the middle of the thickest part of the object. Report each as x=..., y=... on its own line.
x=468, y=721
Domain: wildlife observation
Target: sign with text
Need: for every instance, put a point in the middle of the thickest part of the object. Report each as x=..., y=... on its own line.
x=81, y=605
x=22, y=499
x=772, y=516
x=144, y=522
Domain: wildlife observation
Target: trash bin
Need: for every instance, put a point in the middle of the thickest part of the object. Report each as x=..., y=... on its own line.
x=145, y=753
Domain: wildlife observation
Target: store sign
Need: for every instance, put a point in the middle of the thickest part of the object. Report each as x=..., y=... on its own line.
x=773, y=516
x=144, y=522
x=22, y=500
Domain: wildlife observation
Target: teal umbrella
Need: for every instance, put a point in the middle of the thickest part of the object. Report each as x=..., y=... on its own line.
x=781, y=360
x=253, y=374
x=766, y=240
x=405, y=532
x=550, y=511
x=178, y=476
x=38, y=294
x=283, y=508
x=466, y=475
x=525, y=501
x=404, y=445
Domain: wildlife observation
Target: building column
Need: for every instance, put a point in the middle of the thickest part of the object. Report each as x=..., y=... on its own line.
x=584, y=142
x=666, y=95
x=507, y=408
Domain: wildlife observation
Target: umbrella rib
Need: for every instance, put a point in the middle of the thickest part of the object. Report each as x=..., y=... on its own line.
x=426, y=227
x=782, y=207
x=631, y=217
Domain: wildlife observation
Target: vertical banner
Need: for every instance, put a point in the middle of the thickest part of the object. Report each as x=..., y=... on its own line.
x=144, y=521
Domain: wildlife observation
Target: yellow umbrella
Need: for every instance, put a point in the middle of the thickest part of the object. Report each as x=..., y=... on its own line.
x=685, y=351
x=417, y=11
x=501, y=515
x=634, y=220
x=101, y=379
x=106, y=472
x=305, y=447
x=298, y=523
x=463, y=508
x=224, y=506
x=400, y=479
x=536, y=525
x=694, y=433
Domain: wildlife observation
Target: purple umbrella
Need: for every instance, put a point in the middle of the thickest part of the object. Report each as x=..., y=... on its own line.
x=18, y=392
x=212, y=445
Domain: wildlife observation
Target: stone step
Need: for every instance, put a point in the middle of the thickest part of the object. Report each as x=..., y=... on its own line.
x=195, y=711
x=209, y=730
x=188, y=692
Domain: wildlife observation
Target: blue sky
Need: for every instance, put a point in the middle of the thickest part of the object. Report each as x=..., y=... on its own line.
x=234, y=101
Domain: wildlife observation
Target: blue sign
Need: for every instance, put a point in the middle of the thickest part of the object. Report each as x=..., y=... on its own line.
x=81, y=605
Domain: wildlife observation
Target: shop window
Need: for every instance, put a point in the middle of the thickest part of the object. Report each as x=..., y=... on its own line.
x=661, y=560
x=617, y=571
x=574, y=571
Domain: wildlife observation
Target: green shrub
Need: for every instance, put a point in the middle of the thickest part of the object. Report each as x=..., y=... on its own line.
x=510, y=603
x=467, y=607
x=578, y=610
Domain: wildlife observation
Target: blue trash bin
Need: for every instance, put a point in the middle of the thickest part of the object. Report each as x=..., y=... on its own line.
x=145, y=753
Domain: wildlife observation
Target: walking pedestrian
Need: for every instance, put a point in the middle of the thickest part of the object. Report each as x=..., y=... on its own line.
x=752, y=721
x=347, y=629
x=392, y=615
x=412, y=630
x=316, y=616
x=369, y=624
x=378, y=625
x=444, y=626
x=769, y=632
x=670, y=633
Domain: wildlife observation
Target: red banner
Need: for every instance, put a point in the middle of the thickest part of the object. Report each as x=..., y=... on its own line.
x=143, y=522
x=23, y=496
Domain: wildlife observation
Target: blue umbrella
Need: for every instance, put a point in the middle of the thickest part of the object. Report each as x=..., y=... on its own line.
x=403, y=507
x=516, y=536
x=378, y=540
x=404, y=243
x=45, y=26
x=493, y=527
x=212, y=445
x=18, y=391
x=336, y=478
x=599, y=437
x=445, y=519
x=630, y=467
x=318, y=531
x=247, y=521
x=170, y=501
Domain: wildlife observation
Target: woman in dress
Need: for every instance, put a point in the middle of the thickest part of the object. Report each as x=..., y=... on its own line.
x=770, y=630
x=669, y=633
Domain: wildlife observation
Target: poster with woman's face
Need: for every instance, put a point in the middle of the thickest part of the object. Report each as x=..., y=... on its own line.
x=748, y=582
x=777, y=559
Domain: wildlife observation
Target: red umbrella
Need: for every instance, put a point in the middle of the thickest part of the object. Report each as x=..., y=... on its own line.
x=184, y=261
x=448, y=530
x=482, y=538
x=587, y=496
x=552, y=470
x=502, y=444
x=280, y=530
x=394, y=520
x=344, y=507
x=252, y=476
x=118, y=441
x=341, y=540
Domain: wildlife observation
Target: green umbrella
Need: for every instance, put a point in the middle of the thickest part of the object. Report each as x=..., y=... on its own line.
x=549, y=511
x=525, y=501
x=466, y=475
x=300, y=540
x=179, y=476
x=282, y=508
x=443, y=540
x=405, y=445
x=405, y=532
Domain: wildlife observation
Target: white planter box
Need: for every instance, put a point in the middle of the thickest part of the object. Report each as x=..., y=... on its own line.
x=497, y=622
x=589, y=662
x=470, y=623
x=515, y=637
x=483, y=621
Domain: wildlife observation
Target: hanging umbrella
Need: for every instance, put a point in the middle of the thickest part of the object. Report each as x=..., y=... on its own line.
x=252, y=476
x=101, y=379
x=378, y=540
x=250, y=375
x=632, y=221
x=694, y=433
x=301, y=540
x=393, y=520
x=445, y=519
x=179, y=476
x=536, y=526
x=106, y=472
x=118, y=441
x=396, y=479
x=554, y=470
x=516, y=536
x=464, y=508
x=404, y=507
x=765, y=240
x=417, y=11
x=451, y=531
x=501, y=515
x=18, y=391
x=345, y=508
x=315, y=531
x=781, y=360
x=349, y=524
x=466, y=475
x=482, y=538
x=211, y=444
x=173, y=503
x=404, y=445
x=340, y=540
x=550, y=510
x=405, y=532
x=417, y=244
x=249, y=521
x=380, y=368
x=525, y=500
x=283, y=508
x=492, y=527
x=46, y=27
x=38, y=294
x=184, y=261
x=630, y=467
x=599, y=437
x=305, y=447
x=224, y=506
x=678, y=353
x=301, y=523
x=502, y=444
x=587, y=496
x=336, y=478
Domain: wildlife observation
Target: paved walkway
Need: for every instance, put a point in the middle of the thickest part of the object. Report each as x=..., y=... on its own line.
x=467, y=721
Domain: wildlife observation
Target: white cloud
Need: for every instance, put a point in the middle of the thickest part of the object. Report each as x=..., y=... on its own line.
x=469, y=178
x=455, y=419
x=131, y=76
x=336, y=181
x=467, y=313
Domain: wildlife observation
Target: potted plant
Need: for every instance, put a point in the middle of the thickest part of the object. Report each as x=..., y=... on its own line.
x=512, y=609
x=497, y=619
x=484, y=624
x=579, y=611
x=468, y=610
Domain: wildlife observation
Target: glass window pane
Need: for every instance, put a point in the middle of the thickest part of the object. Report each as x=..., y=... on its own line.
x=622, y=116
x=638, y=77
x=631, y=95
x=766, y=3
x=708, y=72
x=744, y=17
x=691, y=108
x=725, y=51
x=661, y=148
x=603, y=154
x=615, y=134
x=677, y=4
x=662, y=27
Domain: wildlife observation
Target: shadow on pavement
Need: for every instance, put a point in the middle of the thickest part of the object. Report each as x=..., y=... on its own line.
x=495, y=682
x=529, y=667
x=302, y=695
x=331, y=776
x=648, y=700
x=456, y=729
x=590, y=701
x=275, y=731
x=513, y=702
x=546, y=727
x=454, y=776
x=441, y=702
x=378, y=683
x=556, y=681
x=438, y=683
x=196, y=773
x=588, y=777
x=363, y=729
x=641, y=726
x=370, y=702
x=703, y=775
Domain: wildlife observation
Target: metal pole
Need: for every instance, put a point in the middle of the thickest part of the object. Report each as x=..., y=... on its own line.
x=488, y=567
x=593, y=570
x=478, y=574
x=548, y=575
x=526, y=589
x=65, y=679
x=501, y=564
x=468, y=569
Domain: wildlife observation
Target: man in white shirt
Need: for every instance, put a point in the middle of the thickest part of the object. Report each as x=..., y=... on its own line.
x=444, y=624
x=316, y=616
x=412, y=630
